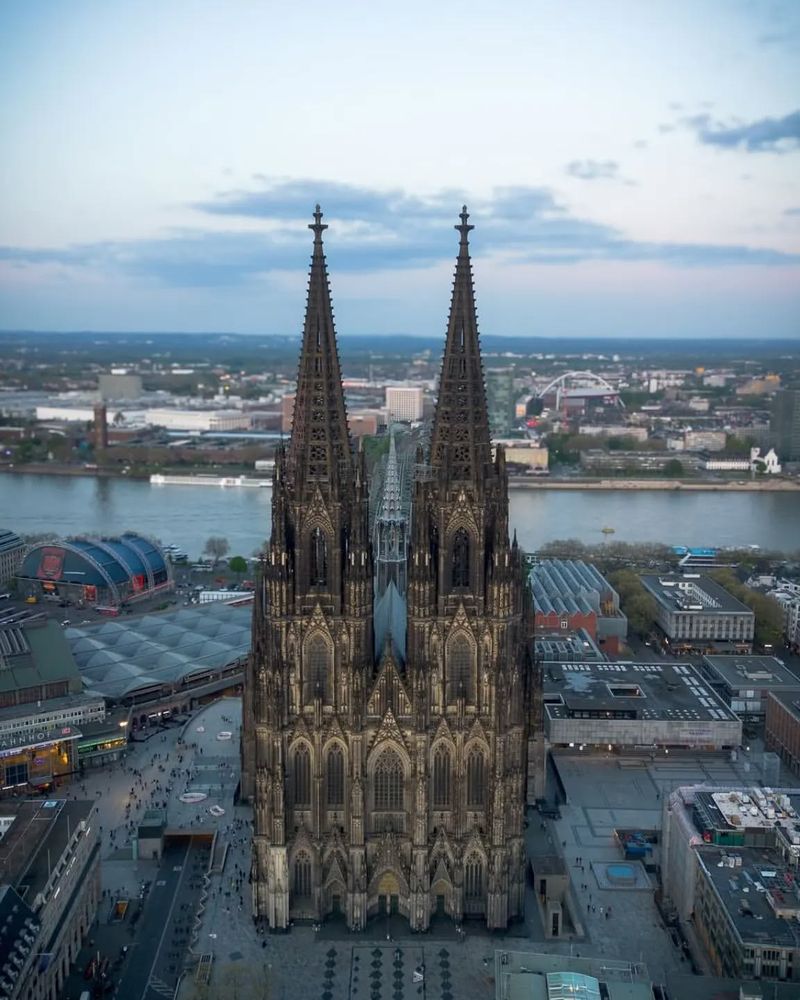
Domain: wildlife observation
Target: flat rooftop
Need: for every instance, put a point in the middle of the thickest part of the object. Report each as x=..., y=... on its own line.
x=36, y=839
x=536, y=976
x=765, y=672
x=760, y=894
x=665, y=691
x=692, y=593
x=790, y=700
x=567, y=647
x=756, y=808
x=31, y=709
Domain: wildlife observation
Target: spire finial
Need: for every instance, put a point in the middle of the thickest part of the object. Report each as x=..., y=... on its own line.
x=464, y=228
x=318, y=226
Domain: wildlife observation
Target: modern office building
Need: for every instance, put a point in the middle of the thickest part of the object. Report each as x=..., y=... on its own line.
x=782, y=727
x=789, y=600
x=524, y=455
x=729, y=817
x=118, y=385
x=405, y=403
x=653, y=706
x=696, y=614
x=570, y=594
x=785, y=424
x=12, y=549
x=49, y=892
x=619, y=462
x=747, y=913
x=746, y=681
x=500, y=400
x=41, y=706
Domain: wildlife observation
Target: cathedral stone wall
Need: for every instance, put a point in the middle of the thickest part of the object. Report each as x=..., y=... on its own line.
x=393, y=783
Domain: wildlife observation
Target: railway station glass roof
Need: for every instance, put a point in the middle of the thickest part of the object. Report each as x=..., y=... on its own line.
x=117, y=658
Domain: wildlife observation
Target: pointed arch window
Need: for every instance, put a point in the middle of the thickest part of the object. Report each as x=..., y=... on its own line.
x=317, y=665
x=476, y=779
x=302, y=875
x=318, y=558
x=473, y=877
x=335, y=776
x=460, y=567
x=441, y=778
x=389, y=782
x=302, y=778
x=460, y=670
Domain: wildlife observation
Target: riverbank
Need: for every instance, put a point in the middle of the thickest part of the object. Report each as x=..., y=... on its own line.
x=695, y=485
x=516, y=482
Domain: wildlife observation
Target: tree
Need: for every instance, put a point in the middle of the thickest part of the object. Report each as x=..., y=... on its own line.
x=217, y=548
x=674, y=467
x=768, y=630
x=238, y=565
x=769, y=620
x=638, y=605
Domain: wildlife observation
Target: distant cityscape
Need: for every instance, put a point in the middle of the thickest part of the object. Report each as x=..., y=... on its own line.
x=199, y=749
x=592, y=415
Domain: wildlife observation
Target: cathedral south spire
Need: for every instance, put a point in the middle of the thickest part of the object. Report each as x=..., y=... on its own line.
x=319, y=451
x=460, y=443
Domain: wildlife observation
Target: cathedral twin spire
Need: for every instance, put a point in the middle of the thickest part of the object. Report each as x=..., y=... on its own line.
x=319, y=452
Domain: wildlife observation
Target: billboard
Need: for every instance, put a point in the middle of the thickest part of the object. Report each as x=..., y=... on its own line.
x=51, y=563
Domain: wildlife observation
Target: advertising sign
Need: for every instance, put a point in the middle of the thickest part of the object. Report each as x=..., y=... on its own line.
x=51, y=564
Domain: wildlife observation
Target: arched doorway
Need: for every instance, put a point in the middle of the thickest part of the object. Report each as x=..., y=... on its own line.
x=440, y=894
x=388, y=894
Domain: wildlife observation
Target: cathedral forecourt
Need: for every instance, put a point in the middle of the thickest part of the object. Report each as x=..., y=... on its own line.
x=388, y=773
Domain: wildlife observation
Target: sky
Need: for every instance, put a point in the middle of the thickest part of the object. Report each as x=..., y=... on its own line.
x=632, y=169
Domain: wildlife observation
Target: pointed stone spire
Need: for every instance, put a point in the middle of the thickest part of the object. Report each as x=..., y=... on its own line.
x=460, y=442
x=319, y=450
x=391, y=528
x=391, y=508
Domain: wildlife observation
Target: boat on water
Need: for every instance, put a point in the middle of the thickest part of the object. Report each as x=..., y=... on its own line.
x=160, y=479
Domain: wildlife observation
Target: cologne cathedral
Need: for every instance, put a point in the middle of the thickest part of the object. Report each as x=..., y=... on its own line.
x=391, y=695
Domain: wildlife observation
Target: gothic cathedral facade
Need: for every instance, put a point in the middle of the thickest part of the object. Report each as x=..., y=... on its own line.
x=389, y=782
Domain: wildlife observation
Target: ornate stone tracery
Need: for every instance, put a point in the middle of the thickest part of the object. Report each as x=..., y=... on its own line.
x=392, y=777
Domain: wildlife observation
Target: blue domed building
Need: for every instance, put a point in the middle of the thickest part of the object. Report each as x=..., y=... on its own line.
x=102, y=572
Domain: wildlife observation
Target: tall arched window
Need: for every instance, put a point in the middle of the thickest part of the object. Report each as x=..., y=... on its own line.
x=476, y=779
x=302, y=778
x=302, y=875
x=473, y=877
x=336, y=777
x=389, y=782
x=459, y=669
x=441, y=778
x=318, y=562
x=460, y=576
x=317, y=669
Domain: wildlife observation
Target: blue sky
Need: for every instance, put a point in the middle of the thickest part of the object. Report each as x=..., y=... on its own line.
x=631, y=168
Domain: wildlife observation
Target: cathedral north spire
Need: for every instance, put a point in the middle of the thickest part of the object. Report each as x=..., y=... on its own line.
x=460, y=443
x=319, y=450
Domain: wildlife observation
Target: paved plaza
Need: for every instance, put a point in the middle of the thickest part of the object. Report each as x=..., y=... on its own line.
x=190, y=915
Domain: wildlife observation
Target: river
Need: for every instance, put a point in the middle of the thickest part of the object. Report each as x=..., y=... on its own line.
x=188, y=515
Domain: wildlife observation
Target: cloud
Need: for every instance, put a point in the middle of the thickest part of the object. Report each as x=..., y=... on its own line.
x=592, y=170
x=373, y=230
x=766, y=135
x=795, y=210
